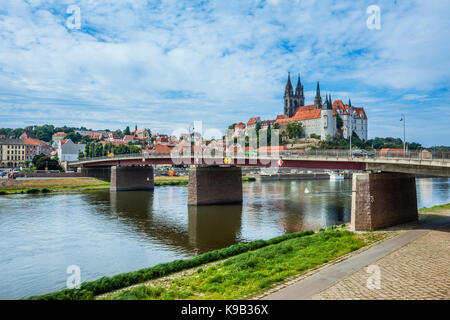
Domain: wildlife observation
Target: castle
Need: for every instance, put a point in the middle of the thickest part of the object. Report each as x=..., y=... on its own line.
x=319, y=119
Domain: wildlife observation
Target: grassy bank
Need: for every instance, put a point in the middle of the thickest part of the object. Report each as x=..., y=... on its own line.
x=103, y=285
x=437, y=208
x=67, y=184
x=252, y=272
x=52, y=185
x=239, y=271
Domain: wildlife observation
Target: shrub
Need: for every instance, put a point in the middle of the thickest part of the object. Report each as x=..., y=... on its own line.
x=33, y=191
x=45, y=190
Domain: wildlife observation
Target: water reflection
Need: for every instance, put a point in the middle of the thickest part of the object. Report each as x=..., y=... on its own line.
x=214, y=227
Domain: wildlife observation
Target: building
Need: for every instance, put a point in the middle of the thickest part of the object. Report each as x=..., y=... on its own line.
x=58, y=136
x=12, y=153
x=69, y=151
x=35, y=147
x=251, y=124
x=321, y=118
x=141, y=134
x=27, y=135
x=354, y=119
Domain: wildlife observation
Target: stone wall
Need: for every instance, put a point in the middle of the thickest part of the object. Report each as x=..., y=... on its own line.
x=214, y=185
x=382, y=200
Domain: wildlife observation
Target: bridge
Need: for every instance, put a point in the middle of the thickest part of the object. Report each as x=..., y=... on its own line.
x=383, y=188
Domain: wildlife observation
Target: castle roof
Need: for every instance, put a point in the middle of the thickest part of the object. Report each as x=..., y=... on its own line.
x=346, y=109
x=252, y=121
x=302, y=113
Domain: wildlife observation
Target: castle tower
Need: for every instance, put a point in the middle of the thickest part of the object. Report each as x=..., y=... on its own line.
x=318, y=98
x=328, y=122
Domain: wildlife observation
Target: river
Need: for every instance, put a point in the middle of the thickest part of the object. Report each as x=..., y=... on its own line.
x=108, y=233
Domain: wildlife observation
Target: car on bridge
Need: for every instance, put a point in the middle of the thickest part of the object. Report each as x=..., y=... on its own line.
x=358, y=153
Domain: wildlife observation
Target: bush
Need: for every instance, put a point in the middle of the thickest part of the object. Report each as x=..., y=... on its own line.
x=2, y=193
x=33, y=191
x=90, y=289
x=45, y=190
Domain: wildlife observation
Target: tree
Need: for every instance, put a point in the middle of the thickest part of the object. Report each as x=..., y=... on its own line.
x=339, y=122
x=86, y=139
x=294, y=130
x=98, y=150
x=46, y=162
x=127, y=131
x=36, y=158
x=74, y=136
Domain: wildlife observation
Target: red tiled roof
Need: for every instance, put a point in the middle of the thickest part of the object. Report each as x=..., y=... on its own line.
x=34, y=142
x=302, y=115
x=346, y=109
x=161, y=149
x=360, y=113
x=306, y=108
x=252, y=121
x=64, y=141
x=95, y=135
x=128, y=137
x=114, y=143
x=280, y=116
x=59, y=134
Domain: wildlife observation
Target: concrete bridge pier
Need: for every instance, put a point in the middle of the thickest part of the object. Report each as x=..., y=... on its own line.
x=214, y=185
x=382, y=200
x=102, y=173
x=130, y=178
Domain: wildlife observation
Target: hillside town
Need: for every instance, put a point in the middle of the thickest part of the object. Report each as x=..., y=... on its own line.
x=325, y=124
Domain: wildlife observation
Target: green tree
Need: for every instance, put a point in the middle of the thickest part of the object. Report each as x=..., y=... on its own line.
x=45, y=161
x=294, y=129
x=74, y=136
x=127, y=131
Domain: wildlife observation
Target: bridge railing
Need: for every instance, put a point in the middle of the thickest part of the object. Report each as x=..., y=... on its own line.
x=302, y=154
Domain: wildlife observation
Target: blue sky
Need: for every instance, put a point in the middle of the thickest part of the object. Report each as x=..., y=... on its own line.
x=165, y=64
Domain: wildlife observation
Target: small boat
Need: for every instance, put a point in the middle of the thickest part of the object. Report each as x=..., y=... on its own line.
x=336, y=176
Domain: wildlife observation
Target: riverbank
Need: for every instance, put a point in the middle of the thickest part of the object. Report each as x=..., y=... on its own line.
x=238, y=271
x=83, y=183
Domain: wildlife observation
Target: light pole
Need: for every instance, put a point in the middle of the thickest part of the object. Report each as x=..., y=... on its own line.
x=404, y=130
x=351, y=133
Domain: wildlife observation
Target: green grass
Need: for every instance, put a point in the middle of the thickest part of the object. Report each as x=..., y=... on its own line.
x=107, y=284
x=435, y=208
x=252, y=272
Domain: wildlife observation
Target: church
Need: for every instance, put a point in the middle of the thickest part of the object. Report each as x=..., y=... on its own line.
x=320, y=118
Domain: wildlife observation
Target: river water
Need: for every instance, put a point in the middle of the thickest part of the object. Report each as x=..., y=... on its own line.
x=108, y=233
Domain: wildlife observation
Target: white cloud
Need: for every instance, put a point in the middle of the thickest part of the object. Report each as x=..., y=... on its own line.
x=172, y=61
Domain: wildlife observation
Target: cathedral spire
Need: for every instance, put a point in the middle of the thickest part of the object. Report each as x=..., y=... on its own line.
x=318, y=99
x=288, y=91
x=299, y=89
x=349, y=102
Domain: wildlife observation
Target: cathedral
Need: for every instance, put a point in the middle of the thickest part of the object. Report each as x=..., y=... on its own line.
x=321, y=118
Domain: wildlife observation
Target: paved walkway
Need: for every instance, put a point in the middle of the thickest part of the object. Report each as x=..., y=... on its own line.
x=413, y=265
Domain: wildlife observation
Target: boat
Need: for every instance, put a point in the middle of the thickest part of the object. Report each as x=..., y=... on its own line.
x=336, y=176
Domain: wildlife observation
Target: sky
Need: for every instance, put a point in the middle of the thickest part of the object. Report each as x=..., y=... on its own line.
x=165, y=64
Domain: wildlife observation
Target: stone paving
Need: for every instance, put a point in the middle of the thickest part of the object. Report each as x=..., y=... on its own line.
x=418, y=270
